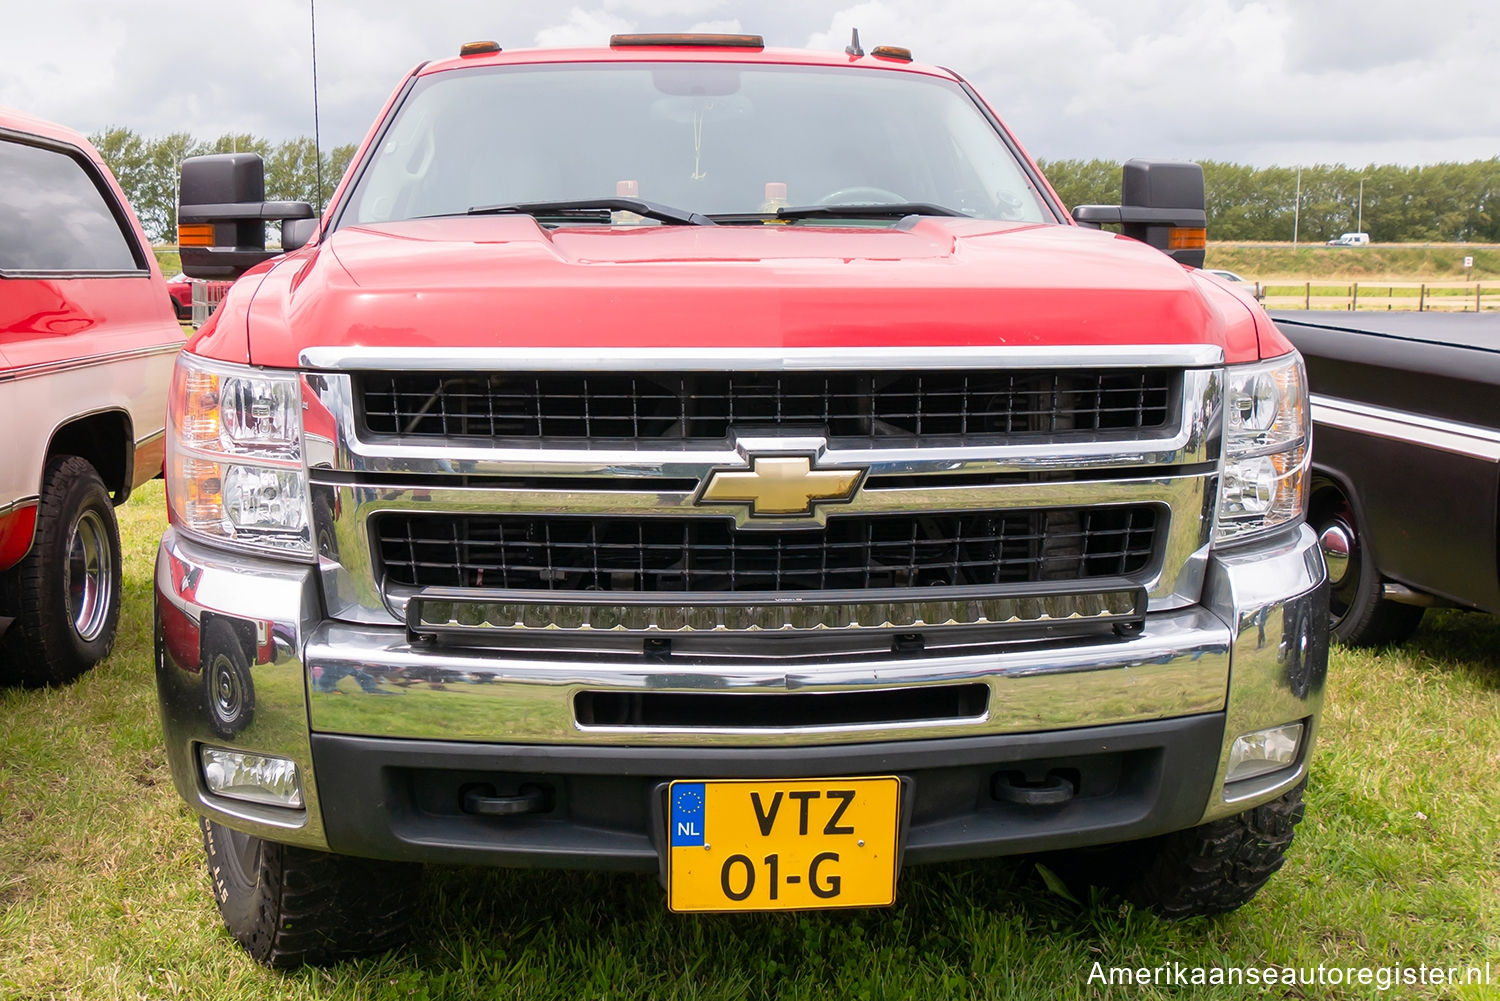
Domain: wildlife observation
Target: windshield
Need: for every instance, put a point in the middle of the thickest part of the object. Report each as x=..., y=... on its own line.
x=711, y=138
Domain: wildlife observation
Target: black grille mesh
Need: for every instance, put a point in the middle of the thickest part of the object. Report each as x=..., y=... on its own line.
x=705, y=405
x=526, y=552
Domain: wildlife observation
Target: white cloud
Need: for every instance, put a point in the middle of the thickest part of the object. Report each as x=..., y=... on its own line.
x=583, y=27
x=665, y=8
x=1206, y=78
x=1255, y=80
x=729, y=27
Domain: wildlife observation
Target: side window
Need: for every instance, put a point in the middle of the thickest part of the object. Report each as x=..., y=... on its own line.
x=53, y=217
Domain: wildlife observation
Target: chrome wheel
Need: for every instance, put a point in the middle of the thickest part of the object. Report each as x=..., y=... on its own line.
x=1337, y=542
x=1358, y=613
x=88, y=577
x=227, y=691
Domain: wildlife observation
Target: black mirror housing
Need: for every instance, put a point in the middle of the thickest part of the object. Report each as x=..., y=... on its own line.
x=1164, y=204
x=222, y=213
x=296, y=232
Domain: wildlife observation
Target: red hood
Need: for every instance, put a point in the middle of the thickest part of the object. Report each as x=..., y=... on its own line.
x=496, y=281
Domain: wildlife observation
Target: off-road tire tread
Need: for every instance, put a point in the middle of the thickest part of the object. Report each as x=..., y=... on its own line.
x=1215, y=867
x=38, y=648
x=314, y=908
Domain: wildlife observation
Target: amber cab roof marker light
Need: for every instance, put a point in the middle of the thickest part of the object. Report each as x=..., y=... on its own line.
x=891, y=52
x=478, y=48
x=689, y=41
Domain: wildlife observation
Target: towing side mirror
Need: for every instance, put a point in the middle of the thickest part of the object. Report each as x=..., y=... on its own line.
x=1164, y=205
x=222, y=214
x=296, y=232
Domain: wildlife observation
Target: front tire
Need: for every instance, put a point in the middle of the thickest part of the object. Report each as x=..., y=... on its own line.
x=67, y=589
x=1209, y=869
x=292, y=906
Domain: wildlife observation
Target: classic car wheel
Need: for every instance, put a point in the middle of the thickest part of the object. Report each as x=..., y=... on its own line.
x=1359, y=615
x=290, y=906
x=227, y=684
x=67, y=589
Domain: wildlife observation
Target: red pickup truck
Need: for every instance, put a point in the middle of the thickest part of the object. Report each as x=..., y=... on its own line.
x=87, y=337
x=733, y=464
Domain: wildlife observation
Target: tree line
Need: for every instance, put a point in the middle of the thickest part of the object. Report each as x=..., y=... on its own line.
x=148, y=169
x=1445, y=202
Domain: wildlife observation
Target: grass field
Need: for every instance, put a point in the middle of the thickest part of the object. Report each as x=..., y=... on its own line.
x=1404, y=262
x=103, y=893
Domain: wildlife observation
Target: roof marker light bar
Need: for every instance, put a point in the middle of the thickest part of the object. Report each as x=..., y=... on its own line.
x=689, y=41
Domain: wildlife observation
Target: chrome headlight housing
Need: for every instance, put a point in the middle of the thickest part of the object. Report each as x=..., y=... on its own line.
x=235, y=472
x=1267, y=448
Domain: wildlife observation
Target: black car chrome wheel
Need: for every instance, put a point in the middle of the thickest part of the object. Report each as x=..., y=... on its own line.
x=1359, y=613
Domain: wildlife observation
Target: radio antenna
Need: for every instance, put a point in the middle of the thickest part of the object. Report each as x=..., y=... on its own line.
x=312, y=8
x=853, y=47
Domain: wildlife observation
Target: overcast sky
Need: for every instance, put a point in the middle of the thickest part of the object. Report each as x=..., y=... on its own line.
x=1268, y=82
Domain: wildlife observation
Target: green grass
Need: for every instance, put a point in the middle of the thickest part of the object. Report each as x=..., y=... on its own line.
x=1280, y=262
x=103, y=893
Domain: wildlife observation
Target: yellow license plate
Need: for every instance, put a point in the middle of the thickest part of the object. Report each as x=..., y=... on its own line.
x=794, y=844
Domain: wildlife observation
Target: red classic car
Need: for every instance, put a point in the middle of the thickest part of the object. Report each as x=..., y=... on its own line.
x=180, y=288
x=87, y=338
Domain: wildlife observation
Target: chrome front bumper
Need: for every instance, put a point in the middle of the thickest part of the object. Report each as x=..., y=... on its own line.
x=1253, y=654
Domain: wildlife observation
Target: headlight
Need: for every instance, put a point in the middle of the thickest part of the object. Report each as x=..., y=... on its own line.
x=1266, y=448
x=234, y=456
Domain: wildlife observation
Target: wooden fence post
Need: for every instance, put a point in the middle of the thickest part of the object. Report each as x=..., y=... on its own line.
x=1354, y=296
x=1307, y=296
x=1422, y=298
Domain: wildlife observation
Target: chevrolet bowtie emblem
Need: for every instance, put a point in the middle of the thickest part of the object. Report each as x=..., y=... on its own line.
x=780, y=486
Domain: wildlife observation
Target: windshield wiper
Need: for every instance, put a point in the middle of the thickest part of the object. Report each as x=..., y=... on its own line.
x=898, y=210
x=599, y=208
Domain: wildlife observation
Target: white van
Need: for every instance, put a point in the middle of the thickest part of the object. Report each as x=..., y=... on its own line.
x=1351, y=240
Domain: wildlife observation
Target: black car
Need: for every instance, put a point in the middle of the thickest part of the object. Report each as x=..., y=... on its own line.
x=1406, y=462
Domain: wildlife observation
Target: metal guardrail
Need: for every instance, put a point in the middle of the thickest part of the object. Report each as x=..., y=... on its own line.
x=206, y=298
x=1466, y=297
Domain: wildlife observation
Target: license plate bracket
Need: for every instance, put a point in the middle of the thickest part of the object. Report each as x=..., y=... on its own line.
x=782, y=844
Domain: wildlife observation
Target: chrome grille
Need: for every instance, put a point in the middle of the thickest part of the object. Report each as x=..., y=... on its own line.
x=846, y=405
x=696, y=554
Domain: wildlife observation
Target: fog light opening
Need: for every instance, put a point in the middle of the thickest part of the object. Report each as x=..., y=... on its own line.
x=253, y=778
x=1264, y=751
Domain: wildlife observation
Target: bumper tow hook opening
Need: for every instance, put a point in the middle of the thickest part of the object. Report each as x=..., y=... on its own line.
x=1013, y=787
x=482, y=800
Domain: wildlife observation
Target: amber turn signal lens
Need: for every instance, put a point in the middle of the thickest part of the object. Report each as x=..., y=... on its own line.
x=195, y=234
x=1187, y=239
